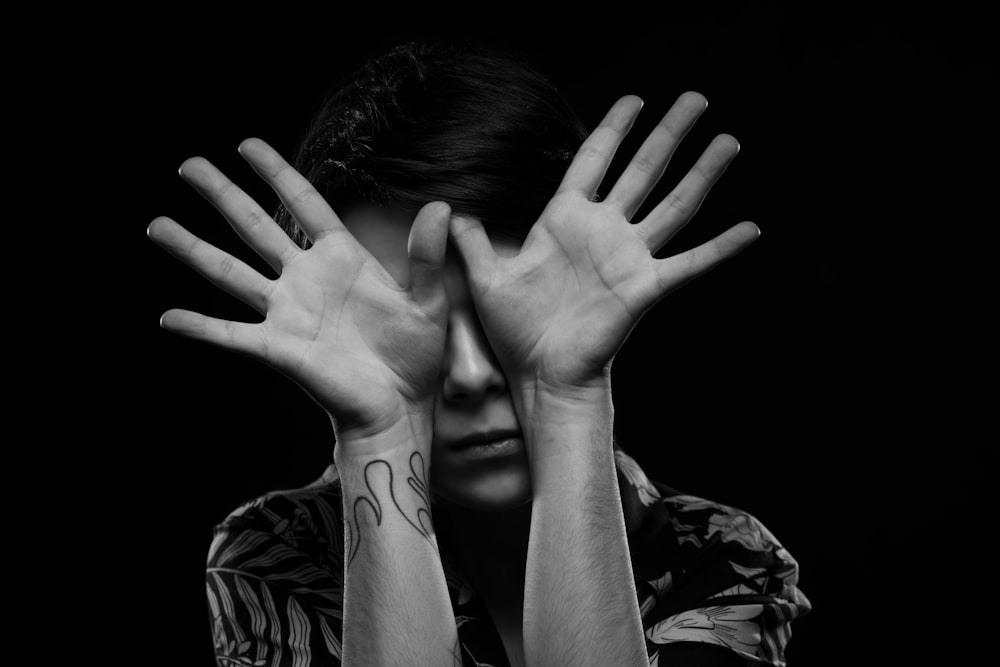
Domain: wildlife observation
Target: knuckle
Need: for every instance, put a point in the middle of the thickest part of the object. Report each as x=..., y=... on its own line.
x=646, y=165
x=705, y=170
x=266, y=290
x=223, y=190
x=253, y=219
x=226, y=266
x=590, y=151
x=287, y=254
x=192, y=247
x=305, y=197
x=274, y=168
x=678, y=203
x=670, y=130
x=265, y=343
x=692, y=263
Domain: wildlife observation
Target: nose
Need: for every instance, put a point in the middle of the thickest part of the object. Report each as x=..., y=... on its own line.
x=471, y=372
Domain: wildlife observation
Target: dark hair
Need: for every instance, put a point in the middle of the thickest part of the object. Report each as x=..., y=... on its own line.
x=471, y=125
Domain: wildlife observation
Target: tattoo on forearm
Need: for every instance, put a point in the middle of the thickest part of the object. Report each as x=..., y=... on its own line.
x=456, y=652
x=417, y=481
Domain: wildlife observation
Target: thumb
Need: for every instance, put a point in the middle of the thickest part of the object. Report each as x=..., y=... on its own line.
x=473, y=245
x=426, y=249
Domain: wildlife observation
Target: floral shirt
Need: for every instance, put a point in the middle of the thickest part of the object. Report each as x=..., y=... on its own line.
x=714, y=586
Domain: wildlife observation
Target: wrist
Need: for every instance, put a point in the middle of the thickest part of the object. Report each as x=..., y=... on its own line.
x=542, y=394
x=412, y=431
x=561, y=420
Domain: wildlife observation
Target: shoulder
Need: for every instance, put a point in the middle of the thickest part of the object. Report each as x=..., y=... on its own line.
x=682, y=531
x=299, y=524
x=274, y=577
x=707, y=572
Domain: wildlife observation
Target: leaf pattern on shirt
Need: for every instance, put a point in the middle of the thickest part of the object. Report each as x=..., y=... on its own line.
x=736, y=525
x=628, y=466
x=662, y=585
x=729, y=626
x=275, y=579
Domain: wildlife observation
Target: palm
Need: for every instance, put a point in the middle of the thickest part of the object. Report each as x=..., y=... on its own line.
x=578, y=262
x=342, y=331
x=559, y=310
x=335, y=322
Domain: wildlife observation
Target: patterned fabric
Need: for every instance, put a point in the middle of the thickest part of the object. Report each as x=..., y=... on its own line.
x=714, y=586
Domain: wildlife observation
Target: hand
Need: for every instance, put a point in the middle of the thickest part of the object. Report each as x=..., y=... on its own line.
x=335, y=322
x=558, y=311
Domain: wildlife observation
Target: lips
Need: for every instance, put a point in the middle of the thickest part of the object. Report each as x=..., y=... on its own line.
x=484, y=438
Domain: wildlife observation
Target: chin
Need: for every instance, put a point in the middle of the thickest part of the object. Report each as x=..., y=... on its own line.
x=498, y=492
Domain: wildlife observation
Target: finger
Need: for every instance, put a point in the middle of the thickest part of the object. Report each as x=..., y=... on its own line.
x=306, y=205
x=253, y=225
x=473, y=246
x=426, y=247
x=644, y=171
x=238, y=337
x=683, y=202
x=587, y=170
x=672, y=272
x=220, y=268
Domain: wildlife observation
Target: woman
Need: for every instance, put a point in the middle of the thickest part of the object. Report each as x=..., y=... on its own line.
x=452, y=293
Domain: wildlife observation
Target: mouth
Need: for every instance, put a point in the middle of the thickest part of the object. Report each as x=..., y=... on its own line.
x=486, y=438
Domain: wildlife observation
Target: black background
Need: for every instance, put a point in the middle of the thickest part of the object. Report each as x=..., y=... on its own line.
x=829, y=380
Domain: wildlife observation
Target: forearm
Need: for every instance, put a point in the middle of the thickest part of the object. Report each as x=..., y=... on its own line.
x=396, y=605
x=578, y=557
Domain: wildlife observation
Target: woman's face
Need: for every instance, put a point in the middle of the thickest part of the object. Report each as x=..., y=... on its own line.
x=473, y=400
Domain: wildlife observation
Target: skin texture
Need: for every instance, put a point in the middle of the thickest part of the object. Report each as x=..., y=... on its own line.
x=326, y=320
x=472, y=334
x=586, y=274
x=411, y=345
x=555, y=314
x=472, y=393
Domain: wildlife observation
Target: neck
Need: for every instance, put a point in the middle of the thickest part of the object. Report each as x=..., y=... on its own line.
x=491, y=548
